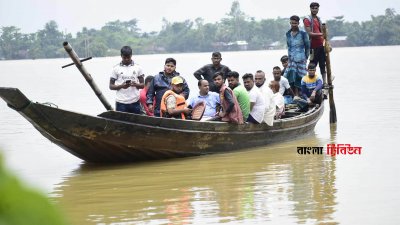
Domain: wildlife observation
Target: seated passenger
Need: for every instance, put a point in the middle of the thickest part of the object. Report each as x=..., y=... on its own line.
x=161, y=83
x=311, y=87
x=230, y=107
x=278, y=99
x=257, y=100
x=270, y=108
x=143, y=97
x=173, y=104
x=211, y=99
x=240, y=92
x=285, y=89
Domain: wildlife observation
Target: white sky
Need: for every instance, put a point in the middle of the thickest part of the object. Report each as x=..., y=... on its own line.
x=73, y=15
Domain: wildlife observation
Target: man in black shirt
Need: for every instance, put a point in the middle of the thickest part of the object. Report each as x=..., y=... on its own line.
x=207, y=72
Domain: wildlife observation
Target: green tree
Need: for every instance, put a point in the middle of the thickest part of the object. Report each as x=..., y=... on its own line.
x=50, y=39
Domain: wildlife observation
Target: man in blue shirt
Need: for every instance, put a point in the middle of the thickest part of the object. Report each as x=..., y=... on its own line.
x=210, y=98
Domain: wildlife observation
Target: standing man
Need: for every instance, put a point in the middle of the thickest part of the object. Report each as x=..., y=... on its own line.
x=162, y=83
x=257, y=100
x=313, y=26
x=127, y=78
x=207, y=72
x=298, y=52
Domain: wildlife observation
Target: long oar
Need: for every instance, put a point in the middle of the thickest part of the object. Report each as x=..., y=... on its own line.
x=332, y=113
x=88, y=77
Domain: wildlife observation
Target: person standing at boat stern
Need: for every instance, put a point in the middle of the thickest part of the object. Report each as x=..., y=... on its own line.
x=162, y=83
x=173, y=105
x=230, y=107
x=298, y=52
x=209, y=70
x=127, y=78
x=313, y=26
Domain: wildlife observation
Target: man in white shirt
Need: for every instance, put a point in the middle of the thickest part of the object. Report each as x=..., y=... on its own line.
x=127, y=78
x=284, y=87
x=263, y=86
x=257, y=100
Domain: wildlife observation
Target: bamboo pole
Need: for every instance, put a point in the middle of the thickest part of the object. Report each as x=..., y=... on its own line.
x=332, y=113
x=86, y=75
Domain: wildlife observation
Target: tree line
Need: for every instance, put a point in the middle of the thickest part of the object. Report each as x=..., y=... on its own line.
x=187, y=36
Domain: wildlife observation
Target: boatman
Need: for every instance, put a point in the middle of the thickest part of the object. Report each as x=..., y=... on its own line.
x=127, y=78
x=209, y=70
x=173, y=104
x=313, y=26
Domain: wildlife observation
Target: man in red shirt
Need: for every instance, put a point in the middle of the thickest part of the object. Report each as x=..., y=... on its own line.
x=313, y=26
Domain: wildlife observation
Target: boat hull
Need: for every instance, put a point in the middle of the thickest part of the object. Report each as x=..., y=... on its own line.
x=123, y=137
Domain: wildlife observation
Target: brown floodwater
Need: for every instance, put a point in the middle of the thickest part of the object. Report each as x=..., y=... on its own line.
x=258, y=185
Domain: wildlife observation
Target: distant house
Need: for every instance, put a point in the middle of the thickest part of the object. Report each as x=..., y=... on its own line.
x=274, y=45
x=339, y=41
x=238, y=45
x=231, y=46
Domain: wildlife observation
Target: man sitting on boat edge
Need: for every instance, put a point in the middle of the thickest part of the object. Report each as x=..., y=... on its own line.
x=230, y=107
x=173, y=105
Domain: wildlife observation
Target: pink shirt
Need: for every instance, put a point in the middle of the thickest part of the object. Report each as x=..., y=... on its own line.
x=142, y=100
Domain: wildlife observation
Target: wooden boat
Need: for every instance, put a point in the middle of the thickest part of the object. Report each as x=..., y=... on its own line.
x=123, y=137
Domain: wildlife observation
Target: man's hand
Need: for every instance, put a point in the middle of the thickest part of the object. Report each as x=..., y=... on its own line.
x=125, y=85
x=150, y=106
x=312, y=97
x=187, y=111
x=221, y=114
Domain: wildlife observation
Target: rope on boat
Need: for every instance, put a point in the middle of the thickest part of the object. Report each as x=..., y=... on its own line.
x=50, y=104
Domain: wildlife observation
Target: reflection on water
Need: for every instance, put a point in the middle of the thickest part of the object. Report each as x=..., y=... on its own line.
x=272, y=184
x=264, y=184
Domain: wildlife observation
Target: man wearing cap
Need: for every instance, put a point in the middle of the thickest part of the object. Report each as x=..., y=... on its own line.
x=173, y=105
x=127, y=79
x=313, y=26
x=162, y=83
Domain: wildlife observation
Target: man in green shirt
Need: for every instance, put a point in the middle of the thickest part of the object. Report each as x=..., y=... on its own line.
x=240, y=92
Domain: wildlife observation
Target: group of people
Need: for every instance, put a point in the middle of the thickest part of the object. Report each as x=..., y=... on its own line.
x=257, y=101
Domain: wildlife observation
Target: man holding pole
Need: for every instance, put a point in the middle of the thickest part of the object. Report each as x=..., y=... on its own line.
x=313, y=26
x=127, y=78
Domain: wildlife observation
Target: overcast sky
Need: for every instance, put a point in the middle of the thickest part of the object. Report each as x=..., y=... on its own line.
x=73, y=15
